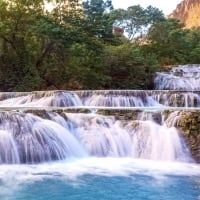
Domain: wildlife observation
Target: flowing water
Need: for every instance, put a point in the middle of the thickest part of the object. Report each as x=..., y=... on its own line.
x=101, y=178
x=55, y=145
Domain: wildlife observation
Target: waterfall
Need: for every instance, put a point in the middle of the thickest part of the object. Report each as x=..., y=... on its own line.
x=157, y=142
x=26, y=138
x=8, y=148
x=43, y=126
x=105, y=136
x=43, y=98
x=186, y=77
x=102, y=98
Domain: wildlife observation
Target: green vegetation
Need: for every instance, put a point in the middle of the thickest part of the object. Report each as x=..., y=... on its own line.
x=76, y=48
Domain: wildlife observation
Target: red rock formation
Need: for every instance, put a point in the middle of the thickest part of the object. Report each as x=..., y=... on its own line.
x=188, y=12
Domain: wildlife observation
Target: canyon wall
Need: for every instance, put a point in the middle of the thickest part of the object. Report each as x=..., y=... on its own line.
x=188, y=12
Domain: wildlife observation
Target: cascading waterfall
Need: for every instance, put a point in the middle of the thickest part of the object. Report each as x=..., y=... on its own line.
x=43, y=98
x=8, y=149
x=26, y=138
x=102, y=98
x=82, y=144
x=56, y=134
x=150, y=140
x=186, y=77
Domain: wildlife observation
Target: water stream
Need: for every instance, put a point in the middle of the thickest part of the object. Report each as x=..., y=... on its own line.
x=55, y=145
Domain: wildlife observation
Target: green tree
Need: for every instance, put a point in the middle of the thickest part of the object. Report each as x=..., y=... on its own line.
x=34, y=44
x=76, y=49
x=16, y=41
x=128, y=67
x=136, y=20
x=168, y=40
x=87, y=69
x=98, y=21
x=193, y=36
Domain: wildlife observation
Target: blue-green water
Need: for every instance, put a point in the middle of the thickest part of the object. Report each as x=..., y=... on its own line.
x=100, y=187
x=102, y=179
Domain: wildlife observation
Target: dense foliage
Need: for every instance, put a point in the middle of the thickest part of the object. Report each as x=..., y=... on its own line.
x=77, y=47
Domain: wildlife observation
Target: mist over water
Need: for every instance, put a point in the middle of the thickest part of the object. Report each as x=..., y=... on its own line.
x=101, y=178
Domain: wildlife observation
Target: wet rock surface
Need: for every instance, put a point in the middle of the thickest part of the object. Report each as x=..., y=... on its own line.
x=189, y=125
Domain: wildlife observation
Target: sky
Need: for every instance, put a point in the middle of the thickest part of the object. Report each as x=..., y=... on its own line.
x=163, y=5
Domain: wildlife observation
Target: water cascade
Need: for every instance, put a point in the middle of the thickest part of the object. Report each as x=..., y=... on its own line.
x=185, y=77
x=40, y=126
x=81, y=144
x=102, y=98
x=26, y=138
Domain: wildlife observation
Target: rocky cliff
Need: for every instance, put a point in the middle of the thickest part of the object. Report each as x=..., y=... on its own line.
x=188, y=12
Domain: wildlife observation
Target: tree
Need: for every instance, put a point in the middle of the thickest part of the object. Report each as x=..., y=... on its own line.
x=87, y=67
x=193, y=37
x=98, y=21
x=136, y=20
x=128, y=67
x=34, y=44
x=16, y=41
x=168, y=40
x=75, y=48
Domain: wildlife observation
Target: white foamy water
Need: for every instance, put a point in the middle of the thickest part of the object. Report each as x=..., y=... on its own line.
x=186, y=77
x=43, y=98
x=21, y=174
x=21, y=180
x=101, y=99
x=26, y=138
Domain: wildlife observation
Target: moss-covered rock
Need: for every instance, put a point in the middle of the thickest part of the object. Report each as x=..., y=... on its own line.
x=189, y=125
